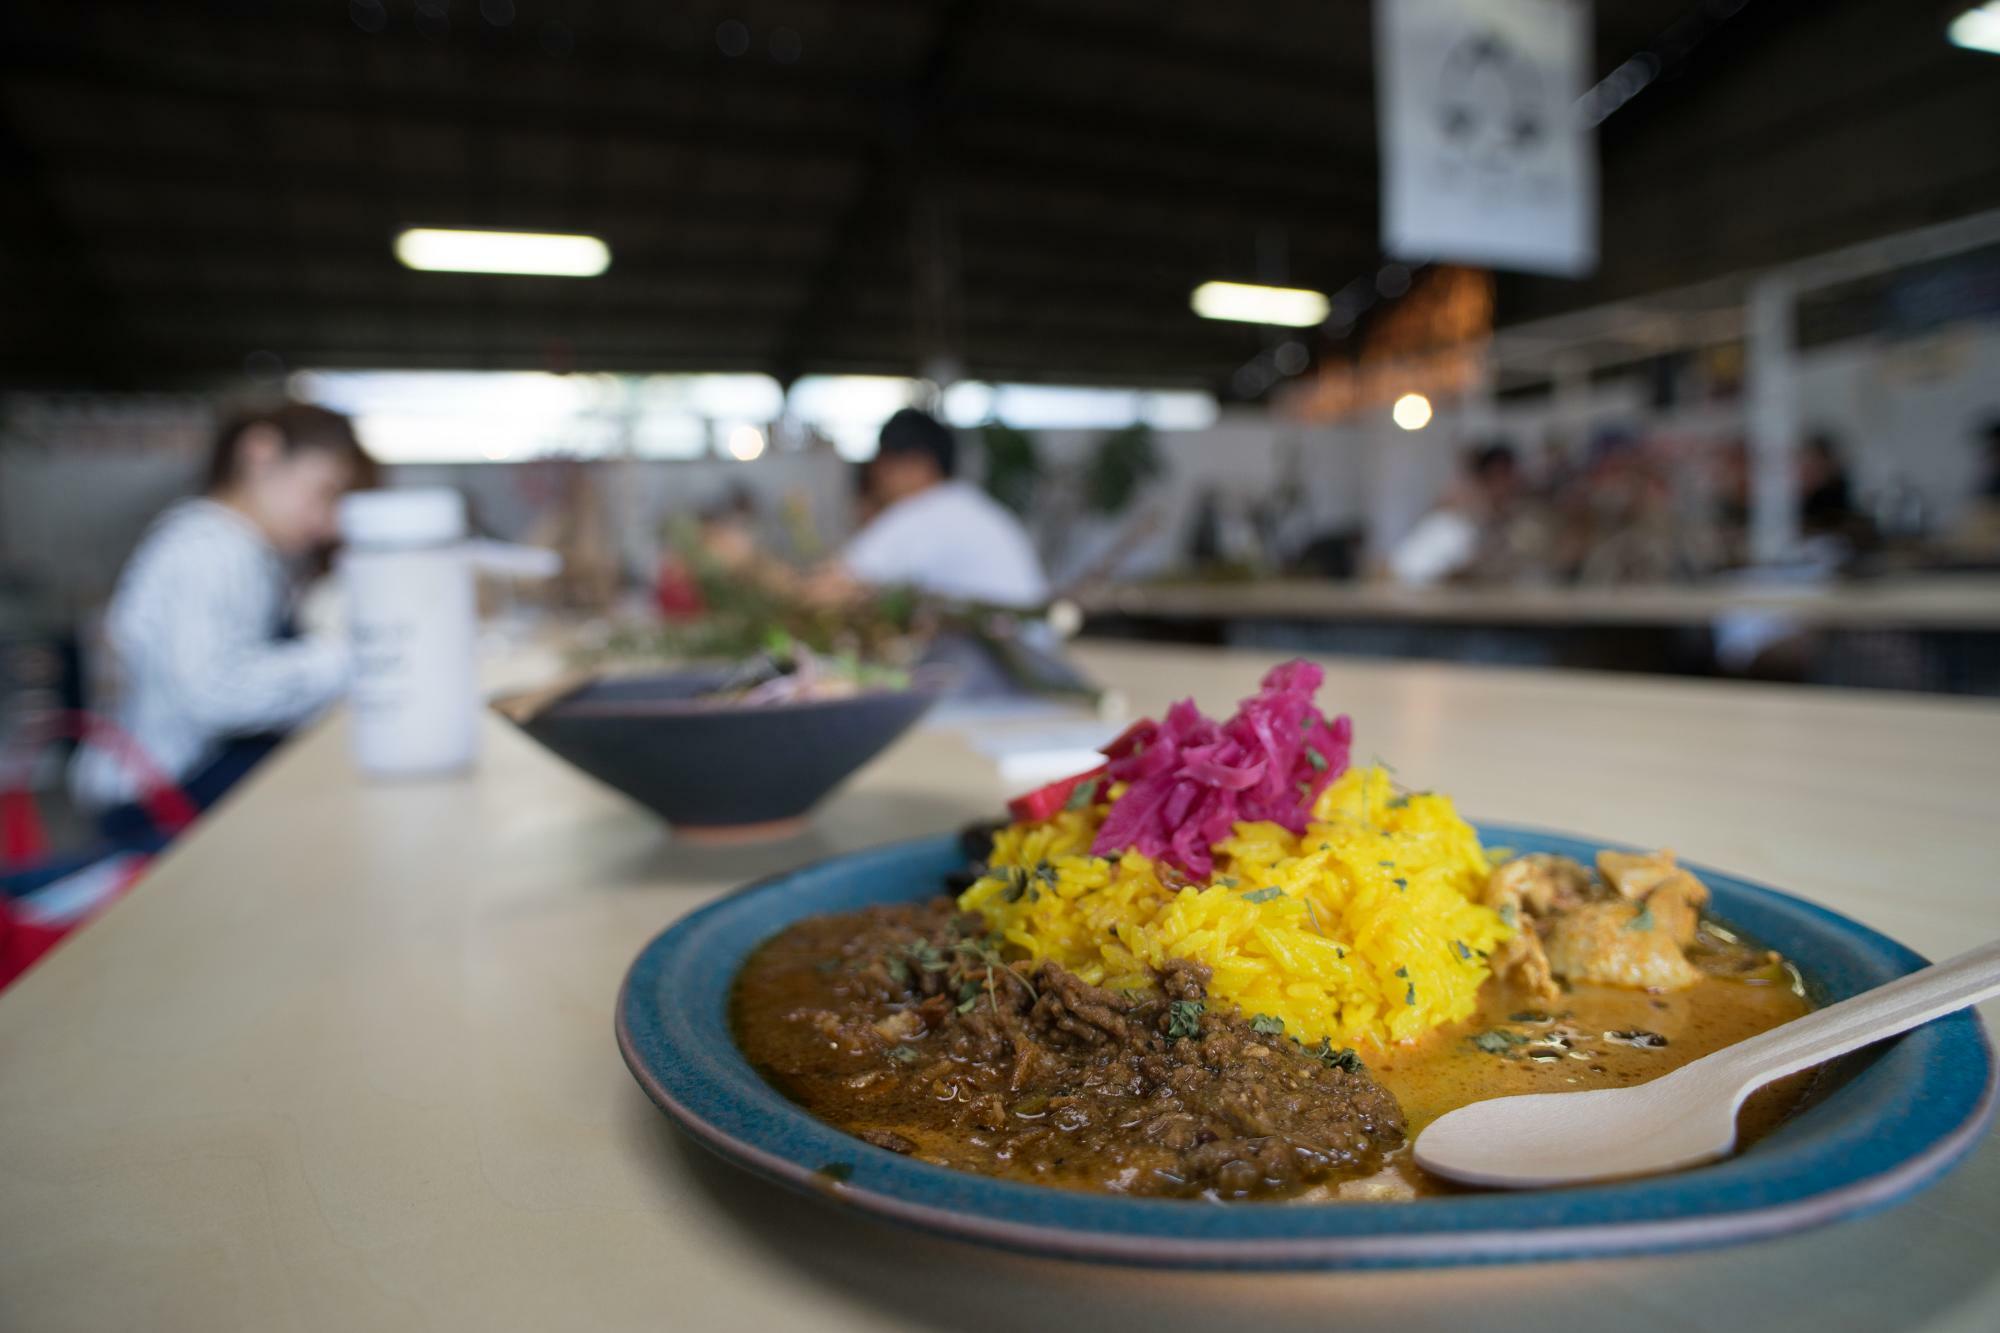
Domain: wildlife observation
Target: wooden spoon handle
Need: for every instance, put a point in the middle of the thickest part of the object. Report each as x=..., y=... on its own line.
x=1904, y=1003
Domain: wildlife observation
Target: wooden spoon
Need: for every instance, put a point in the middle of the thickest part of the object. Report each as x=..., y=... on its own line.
x=1689, y=1116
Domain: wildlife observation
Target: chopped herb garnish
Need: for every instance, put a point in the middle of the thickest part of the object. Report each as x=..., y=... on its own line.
x=1344, y=1058
x=1313, y=916
x=1269, y=1026
x=1017, y=884
x=926, y=956
x=1639, y=1037
x=1529, y=1016
x=1046, y=873
x=1410, y=995
x=987, y=951
x=1643, y=921
x=1084, y=794
x=1316, y=759
x=1263, y=895
x=1184, y=1018
x=1498, y=1040
x=1463, y=952
x=899, y=972
x=905, y=1055
x=1226, y=881
x=1402, y=971
x=1401, y=883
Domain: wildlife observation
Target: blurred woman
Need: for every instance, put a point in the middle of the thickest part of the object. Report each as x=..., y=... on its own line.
x=211, y=671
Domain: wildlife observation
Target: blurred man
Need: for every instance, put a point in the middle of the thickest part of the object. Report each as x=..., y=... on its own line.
x=1826, y=496
x=935, y=533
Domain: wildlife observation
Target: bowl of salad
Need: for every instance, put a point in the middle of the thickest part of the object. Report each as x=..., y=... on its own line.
x=727, y=753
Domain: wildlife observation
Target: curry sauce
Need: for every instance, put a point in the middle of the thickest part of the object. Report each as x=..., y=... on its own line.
x=1597, y=1037
x=902, y=1025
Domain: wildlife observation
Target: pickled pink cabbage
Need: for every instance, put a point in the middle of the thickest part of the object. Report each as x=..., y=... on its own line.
x=1192, y=779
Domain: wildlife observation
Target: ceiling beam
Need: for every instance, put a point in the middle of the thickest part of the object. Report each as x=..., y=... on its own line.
x=870, y=207
x=47, y=272
x=815, y=121
x=249, y=312
x=1221, y=51
x=1092, y=258
x=1017, y=184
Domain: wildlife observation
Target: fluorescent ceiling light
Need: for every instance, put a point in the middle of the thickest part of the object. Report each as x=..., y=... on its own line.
x=1977, y=29
x=548, y=254
x=1293, y=307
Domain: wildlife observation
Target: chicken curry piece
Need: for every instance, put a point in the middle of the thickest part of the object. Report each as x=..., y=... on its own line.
x=1634, y=924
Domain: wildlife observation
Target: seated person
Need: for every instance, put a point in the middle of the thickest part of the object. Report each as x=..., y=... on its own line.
x=1446, y=544
x=933, y=533
x=211, y=674
x=1826, y=496
x=1977, y=533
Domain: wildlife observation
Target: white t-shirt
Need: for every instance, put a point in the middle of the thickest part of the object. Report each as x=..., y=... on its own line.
x=1442, y=544
x=953, y=540
x=194, y=626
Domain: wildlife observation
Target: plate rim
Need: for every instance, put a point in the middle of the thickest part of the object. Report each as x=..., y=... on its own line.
x=1432, y=1247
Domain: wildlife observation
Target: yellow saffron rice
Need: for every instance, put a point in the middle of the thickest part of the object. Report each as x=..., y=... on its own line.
x=1366, y=929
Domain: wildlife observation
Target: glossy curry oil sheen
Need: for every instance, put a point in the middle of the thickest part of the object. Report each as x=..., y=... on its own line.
x=902, y=1025
x=1598, y=1037
x=897, y=1025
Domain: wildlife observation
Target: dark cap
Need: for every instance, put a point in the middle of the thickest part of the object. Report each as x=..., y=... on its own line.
x=913, y=432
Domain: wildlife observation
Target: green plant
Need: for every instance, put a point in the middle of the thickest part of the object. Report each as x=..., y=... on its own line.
x=1125, y=460
x=1013, y=465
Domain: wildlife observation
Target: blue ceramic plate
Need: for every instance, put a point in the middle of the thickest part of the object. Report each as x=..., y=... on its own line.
x=1894, y=1118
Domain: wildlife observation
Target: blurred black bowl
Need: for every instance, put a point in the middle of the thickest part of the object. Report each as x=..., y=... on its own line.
x=715, y=769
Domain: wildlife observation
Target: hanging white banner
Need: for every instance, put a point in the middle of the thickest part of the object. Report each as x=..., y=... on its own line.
x=1485, y=158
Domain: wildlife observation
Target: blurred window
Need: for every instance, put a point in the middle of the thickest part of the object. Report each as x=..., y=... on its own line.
x=517, y=416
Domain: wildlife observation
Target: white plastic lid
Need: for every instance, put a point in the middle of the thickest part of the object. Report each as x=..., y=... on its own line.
x=420, y=516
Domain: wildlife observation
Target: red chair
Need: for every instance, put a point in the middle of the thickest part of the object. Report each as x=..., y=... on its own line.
x=45, y=895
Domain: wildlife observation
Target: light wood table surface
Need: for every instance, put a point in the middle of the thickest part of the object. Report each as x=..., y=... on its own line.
x=345, y=1060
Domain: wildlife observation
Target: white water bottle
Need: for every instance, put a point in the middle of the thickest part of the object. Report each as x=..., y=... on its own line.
x=411, y=614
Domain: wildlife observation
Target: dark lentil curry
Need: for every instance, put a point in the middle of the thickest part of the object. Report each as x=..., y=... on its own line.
x=901, y=1025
